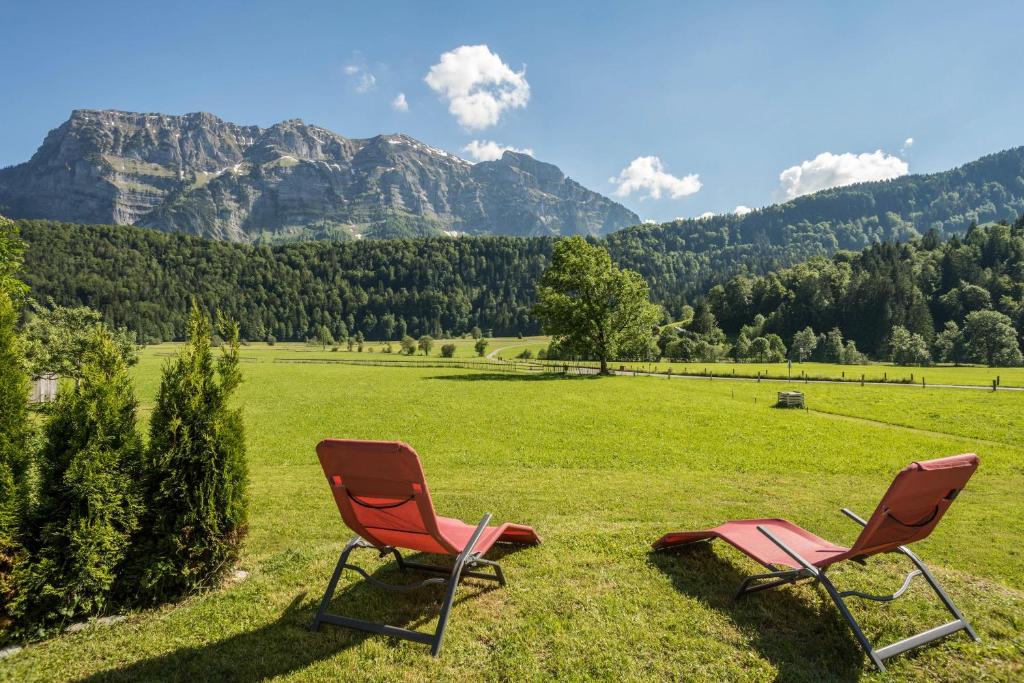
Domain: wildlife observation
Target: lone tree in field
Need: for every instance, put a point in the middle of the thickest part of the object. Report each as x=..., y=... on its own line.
x=425, y=344
x=480, y=346
x=324, y=336
x=196, y=494
x=89, y=496
x=591, y=307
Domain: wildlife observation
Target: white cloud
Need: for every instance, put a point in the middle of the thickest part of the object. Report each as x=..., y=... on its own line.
x=400, y=103
x=706, y=214
x=363, y=78
x=741, y=210
x=478, y=86
x=650, y=221
x=487, y=150
x=907, y=144
x=647, y=174
x=834, y=170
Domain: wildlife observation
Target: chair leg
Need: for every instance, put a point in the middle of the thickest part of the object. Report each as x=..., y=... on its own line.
x=934, y=583
x=333, y=584
x=781, y=578
x=854, y=626
x=446, y=607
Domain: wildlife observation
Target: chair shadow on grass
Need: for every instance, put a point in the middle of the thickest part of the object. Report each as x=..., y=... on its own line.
x=286, y=645
x=806, y=640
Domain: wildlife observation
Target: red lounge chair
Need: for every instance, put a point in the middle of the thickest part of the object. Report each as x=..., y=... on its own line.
x=909, y=511
x=382, y=496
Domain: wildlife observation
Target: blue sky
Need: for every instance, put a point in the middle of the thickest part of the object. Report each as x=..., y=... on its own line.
x=650, y=96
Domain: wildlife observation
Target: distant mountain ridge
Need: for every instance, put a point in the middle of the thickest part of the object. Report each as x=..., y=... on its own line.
x=198, y=174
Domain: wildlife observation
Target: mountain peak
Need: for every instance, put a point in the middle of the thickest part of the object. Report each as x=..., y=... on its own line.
x=200, y=174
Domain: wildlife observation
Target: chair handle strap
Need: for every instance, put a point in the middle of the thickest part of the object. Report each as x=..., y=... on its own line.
x=373, y=506
x=915, y=525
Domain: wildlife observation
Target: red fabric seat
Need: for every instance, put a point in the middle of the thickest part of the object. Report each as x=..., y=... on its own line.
x=915, y=502
x=912, y=507
x=744, y=536
x=382, y=495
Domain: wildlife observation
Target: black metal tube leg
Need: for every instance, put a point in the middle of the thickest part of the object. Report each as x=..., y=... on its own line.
x=854, y=626
x=446, y=607
x=934, y=583
x=333, y=584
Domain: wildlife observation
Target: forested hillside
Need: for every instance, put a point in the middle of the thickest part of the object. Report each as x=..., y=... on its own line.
x=683, y=258
x=939, y=292
x=144, y=279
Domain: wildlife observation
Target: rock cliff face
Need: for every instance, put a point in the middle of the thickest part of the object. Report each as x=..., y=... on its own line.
x=198, y=174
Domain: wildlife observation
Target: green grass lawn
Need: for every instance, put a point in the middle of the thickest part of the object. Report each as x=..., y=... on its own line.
x=600, y=467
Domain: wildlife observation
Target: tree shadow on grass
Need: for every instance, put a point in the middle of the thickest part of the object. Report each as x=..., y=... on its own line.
x=286, y=645
x=512, y=377
x=805, y=639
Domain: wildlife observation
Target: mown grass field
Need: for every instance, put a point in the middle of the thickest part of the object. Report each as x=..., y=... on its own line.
x=600, y=467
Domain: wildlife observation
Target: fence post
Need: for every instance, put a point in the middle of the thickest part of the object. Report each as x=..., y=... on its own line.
x=994, y=384
x=862, y=379
x=922, y=381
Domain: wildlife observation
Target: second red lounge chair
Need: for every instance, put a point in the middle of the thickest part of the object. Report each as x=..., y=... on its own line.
x=382, y=496
x=909, y=511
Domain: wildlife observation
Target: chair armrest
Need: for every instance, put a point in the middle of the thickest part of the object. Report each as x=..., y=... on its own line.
x=786, y=549
x=468, y=550
x=854, y=516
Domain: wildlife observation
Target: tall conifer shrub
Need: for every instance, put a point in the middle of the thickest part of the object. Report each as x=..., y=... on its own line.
x=89, y=498
x=14, y=455
x=196, y=468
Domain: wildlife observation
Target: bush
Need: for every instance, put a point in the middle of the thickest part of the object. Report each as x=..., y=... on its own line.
x=14, y=463
x=196, y=466
x=408, y=345
x=908, y=348
x=271, y=340
x=480, y=346
x=525, y=354
x=448, y=351
x=89, y=498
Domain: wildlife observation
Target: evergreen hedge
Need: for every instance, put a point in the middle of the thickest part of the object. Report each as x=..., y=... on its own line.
x=89, y=500
x=196, y=470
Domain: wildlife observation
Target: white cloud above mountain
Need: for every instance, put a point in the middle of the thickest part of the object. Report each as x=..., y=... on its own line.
x=477, y=85
x=400, y=103
x=741, y=210
x=647, y=176
x=488, y=150
x=364, y=80
x=835, y=170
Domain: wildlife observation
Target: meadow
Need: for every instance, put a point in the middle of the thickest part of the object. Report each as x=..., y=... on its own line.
x=601, y=467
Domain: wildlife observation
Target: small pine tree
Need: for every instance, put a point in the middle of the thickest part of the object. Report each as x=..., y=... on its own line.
x=14, y=436
x=89, y=499
x=196, y=490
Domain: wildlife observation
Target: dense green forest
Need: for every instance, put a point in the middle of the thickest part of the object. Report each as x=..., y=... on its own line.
x=940, y=292
x=683, y=258
x=144, y=279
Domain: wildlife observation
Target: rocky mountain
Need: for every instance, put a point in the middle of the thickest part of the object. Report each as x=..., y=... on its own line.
x=198, y=174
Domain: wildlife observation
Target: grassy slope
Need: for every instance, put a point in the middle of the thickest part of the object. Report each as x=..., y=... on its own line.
x=601, y=467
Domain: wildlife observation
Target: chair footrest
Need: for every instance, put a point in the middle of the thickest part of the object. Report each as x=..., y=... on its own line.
x=920, y=639
x=371, y=627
